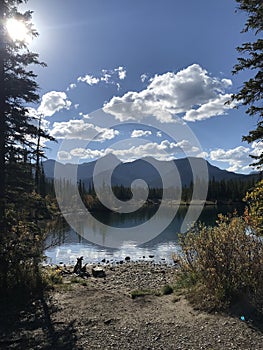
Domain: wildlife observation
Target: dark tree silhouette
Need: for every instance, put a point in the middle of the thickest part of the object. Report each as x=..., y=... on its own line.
x=20, y=241
x=250, y=95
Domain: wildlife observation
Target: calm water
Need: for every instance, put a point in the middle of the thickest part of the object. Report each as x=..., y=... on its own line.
x=96, y=242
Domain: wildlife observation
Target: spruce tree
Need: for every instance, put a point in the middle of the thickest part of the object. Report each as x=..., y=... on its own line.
x=251, y=93
x=20, y=239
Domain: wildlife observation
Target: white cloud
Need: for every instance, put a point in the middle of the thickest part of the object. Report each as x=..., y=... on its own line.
x=257, y=148
x=71, y=86
x=191, y=90
x=144, y=77
x=63, y=155
x=53, y=102
x=140, y=133
x=163, y=151
x=79, y=129
x=84, y=153
x=89, y=79
x=238, y=158
x=227, y=82
x=212, y=108
x=151, y=149
x=159, y=134
x=86, y=116
x=107, y=76
x=202, y=155
x=121, y=72
x=34, y=118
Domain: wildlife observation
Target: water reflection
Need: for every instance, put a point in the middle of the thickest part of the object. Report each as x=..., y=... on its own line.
x=64, y=245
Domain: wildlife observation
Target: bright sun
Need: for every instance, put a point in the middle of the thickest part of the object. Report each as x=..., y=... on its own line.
x=17, y=30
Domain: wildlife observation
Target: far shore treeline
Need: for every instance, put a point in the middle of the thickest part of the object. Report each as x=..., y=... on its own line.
x=219, y=192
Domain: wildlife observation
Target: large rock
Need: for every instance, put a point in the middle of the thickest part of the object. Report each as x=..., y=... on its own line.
x=98, y=272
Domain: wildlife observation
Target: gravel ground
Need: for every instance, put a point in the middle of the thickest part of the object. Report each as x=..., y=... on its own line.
x=99, y=313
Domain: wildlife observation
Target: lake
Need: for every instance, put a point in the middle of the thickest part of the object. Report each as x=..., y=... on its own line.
x=96, y=242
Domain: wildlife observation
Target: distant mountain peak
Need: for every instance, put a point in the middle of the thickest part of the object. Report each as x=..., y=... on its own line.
x=111, y=157
x=126, y=172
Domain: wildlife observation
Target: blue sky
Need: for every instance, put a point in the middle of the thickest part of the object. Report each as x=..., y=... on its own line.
x=157, y=72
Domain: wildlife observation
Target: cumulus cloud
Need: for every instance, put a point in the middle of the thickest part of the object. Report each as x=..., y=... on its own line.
x=257, y=148
x=191, y=93
x=79, y=129
x=140, y=133
x=86, y=153
x=163, y=151
x=53, y=102
x=227, y=82
x=238, y=158
x=207, y=110
x=63, y=155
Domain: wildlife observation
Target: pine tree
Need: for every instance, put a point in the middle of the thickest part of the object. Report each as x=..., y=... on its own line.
x=18, y=88
x=20, y=239
x=251, y=93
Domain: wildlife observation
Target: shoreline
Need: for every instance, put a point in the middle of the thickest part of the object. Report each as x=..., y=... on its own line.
x=156, y=203
x=109, y=262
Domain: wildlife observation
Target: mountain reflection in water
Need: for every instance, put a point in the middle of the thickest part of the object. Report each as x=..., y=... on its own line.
x=64, y=245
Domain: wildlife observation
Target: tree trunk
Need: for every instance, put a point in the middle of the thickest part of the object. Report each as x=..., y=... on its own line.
x=2, y=119
x=37, y=173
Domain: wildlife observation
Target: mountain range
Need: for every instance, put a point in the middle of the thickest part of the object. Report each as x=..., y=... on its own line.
x=126, y=172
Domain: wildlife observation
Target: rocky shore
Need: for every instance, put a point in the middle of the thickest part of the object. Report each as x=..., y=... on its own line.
x=129, y=307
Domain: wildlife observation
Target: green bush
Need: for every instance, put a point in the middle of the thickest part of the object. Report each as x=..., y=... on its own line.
x=167, y=289
x=222, y=263
x=20, y=257
x=254, y=211
x=141, y=293
x=51, y=276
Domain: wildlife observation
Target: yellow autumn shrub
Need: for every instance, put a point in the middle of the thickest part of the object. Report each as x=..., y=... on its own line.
x=254, y=211
x=225, y=260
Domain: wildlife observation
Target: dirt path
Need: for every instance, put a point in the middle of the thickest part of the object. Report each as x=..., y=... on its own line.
x=102, y=315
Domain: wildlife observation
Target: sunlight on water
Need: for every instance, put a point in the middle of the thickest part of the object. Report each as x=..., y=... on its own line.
x=65, y=245
x=68, y=253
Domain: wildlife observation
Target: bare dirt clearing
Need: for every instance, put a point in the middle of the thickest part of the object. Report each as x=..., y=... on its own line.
x=99, y=313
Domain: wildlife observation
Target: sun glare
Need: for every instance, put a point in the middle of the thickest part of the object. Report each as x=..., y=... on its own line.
x=17, y=30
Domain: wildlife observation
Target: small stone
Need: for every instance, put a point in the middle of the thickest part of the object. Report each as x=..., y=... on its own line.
x=108, y=321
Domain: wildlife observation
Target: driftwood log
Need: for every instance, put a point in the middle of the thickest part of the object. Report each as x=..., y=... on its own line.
x=79, y=269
